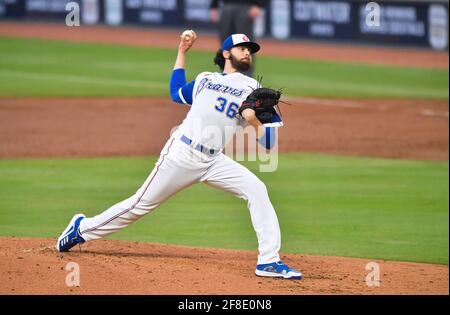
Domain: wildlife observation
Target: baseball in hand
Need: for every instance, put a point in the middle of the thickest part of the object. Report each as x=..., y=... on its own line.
x=188, y=35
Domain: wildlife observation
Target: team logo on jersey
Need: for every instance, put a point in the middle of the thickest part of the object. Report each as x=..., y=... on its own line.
x=201, y=86
x=220, y=88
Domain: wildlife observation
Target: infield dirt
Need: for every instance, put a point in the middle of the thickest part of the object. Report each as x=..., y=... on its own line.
x=32, y=266
x=76, y=127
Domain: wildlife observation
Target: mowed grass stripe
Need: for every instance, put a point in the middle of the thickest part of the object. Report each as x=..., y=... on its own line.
x=78, y=79
x=109, y=65
x=327, y=205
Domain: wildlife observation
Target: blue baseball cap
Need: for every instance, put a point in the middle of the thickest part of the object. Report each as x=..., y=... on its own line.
x=240, y=40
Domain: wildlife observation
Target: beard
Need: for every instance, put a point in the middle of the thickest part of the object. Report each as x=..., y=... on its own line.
x=240, y=65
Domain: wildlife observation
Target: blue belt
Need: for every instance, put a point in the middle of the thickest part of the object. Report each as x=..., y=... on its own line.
x=199, y=147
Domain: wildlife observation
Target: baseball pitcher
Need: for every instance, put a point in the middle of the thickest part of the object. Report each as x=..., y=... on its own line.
x=219, y=103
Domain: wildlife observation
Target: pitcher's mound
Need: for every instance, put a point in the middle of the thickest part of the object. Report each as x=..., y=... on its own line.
x=33, y=266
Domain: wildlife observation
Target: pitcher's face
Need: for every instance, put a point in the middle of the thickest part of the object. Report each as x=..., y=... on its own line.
x=241, y=58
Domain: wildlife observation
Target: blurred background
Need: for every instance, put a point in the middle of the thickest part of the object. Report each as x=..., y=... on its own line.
x=420, y=23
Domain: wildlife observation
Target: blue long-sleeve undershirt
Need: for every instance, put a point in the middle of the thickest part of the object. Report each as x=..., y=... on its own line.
x=181, y=92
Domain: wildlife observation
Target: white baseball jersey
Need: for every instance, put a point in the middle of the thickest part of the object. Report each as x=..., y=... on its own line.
x=216, y=98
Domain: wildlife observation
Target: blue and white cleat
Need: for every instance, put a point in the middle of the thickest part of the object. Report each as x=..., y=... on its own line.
x=71, y=236
x=278, y=270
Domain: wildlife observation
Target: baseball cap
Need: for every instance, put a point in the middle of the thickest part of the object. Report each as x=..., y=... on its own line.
x=240, y=40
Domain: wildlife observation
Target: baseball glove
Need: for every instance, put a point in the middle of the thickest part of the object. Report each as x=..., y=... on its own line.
x=262, y=101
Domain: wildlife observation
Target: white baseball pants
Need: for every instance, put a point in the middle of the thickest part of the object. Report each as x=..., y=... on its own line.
x=180, y=166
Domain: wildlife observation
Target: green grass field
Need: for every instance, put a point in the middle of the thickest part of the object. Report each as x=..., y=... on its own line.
x=359, y=207
x=31, y=67
x=327, y=205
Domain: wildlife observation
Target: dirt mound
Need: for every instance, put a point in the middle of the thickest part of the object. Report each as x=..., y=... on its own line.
x=169, y=39
x=32, y=266
x=71, y=127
